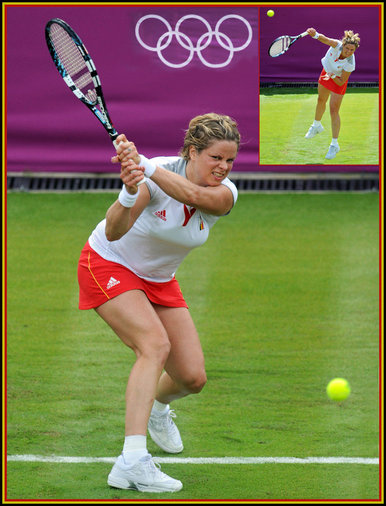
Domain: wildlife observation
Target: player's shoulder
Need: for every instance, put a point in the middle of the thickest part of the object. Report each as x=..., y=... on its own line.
x=233, y=188
x=173, y=164
x=166, y=161
x=337, y=43
x=229, y=183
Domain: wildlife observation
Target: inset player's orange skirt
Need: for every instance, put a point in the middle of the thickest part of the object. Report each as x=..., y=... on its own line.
x=330, y=85
x=101, y=280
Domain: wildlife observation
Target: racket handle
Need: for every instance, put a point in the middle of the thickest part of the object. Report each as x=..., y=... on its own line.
x=303, y=34
x=116, y=144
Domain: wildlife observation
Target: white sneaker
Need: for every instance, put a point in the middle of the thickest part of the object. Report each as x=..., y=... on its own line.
x=164, y=432
x=144, y=475
x=332, y=152
x=313, y=130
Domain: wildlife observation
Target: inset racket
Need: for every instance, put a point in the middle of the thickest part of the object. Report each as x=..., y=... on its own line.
x=280, y=45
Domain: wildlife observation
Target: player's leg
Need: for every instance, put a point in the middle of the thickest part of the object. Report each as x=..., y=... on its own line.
x=335, y=103
x=185, y=367
x=323, y=95
x=316, y=127
x=184, y=374
x=134, y=320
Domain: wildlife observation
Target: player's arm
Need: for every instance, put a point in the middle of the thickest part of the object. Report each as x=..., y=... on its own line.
x=217, y=200
x=322, y=38
x=340, y=80
x=120, y=217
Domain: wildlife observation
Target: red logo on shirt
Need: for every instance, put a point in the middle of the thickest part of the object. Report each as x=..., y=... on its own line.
x=161, y=214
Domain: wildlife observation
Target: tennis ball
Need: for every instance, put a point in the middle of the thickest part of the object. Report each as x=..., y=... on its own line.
x=270, y=13
x=338, y=389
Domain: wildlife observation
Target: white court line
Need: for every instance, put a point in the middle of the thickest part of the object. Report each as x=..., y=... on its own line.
x=199, y=460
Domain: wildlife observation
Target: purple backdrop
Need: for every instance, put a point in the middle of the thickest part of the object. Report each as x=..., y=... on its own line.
x=152, y=96
x=148, y=100
x=303, y=62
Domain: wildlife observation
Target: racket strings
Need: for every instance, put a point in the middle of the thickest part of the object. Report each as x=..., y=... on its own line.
x=71, y=59
x=279, y=46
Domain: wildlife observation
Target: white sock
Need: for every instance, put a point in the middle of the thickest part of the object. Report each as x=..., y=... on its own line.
x=316, y=123
x=334, y=142
x=134, y=448
x=159, y=408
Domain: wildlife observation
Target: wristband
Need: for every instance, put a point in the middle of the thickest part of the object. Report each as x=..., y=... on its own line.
x=126, y=199
x=149, y=166
x=316, y=36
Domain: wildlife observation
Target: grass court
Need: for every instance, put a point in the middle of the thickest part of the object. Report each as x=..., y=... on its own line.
x=285, y=296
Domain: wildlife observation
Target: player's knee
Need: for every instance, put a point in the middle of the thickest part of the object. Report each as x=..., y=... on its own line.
x=334, y=108
x=334, y=111
x=322, y=101
x=195, y=383
x=162, y=351
x=156, y=350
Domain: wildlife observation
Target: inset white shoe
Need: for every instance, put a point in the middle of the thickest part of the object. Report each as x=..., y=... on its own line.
x=164, y=432
x=144, y=475
x=332, y=152
x=313, y=130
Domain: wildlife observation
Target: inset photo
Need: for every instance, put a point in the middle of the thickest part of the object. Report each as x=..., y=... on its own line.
x=319, y=85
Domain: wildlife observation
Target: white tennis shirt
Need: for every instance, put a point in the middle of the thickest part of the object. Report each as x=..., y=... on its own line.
x=164, y=233
x=333, y=65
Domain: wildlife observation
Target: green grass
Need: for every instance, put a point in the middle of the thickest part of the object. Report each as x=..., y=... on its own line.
x=286, y=117
x=285, y=297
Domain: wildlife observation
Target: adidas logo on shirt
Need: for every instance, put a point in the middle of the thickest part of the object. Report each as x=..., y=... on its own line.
x=161, y=214
x=112, y=282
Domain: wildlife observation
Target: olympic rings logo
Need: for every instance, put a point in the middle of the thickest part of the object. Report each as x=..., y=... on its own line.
x=202, y=43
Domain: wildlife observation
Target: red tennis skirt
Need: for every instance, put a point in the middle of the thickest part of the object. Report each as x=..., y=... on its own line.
x=101, y=280
x=330, y=85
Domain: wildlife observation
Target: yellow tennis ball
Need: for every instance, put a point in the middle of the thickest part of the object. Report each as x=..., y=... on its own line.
x=338, y=389
x=270, y=13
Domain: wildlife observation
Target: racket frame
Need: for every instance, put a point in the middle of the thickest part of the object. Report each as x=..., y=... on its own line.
x=293, y=39
x=101, y=113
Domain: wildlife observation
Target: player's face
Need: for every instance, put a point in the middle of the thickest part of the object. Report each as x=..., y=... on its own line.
x=348, y=50
x=212, y=165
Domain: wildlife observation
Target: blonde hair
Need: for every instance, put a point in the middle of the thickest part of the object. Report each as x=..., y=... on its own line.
x=351, y=38
x=207, y=128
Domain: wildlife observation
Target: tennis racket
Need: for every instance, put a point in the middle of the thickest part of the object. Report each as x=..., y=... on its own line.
x=280, y=45
x=75, y=65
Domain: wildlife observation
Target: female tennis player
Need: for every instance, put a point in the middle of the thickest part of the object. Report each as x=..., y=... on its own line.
x=127, y=271
x=338, y=63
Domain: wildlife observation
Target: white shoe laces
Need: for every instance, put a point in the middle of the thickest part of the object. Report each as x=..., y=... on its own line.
x=171, y=415
x=166, y=427
x=165, y=421
x=152, y=468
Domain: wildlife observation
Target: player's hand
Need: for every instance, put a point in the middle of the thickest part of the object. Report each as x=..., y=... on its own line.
x=126, y=150
x=311, y=31
x=131, y=175
x=127, y=155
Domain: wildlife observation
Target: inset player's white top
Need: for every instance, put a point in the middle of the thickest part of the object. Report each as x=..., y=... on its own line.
x=333, y=65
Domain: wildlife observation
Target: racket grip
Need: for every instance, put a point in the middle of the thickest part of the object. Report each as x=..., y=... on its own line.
x=116, y=144
x=303, y=34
